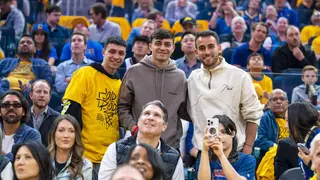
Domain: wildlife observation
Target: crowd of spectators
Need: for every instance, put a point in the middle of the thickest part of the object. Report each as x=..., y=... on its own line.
x=90, y=98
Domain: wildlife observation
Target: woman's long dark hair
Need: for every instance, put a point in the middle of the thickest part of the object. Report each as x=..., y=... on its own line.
x=231, y=129
x=154, y=159
x=302, y=116
x=77, y=150
x=46, y=47
x=40, y=154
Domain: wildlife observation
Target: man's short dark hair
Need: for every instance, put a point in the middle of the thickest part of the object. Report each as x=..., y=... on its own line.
x=22, y=100
x=153, y=14
x=141, y=38
x=188, y=32
x=81, y=34
x=207, y=33
x=161, y=106
x=53, y=8
x=99, y=8
x=254, y=26
x=117, y=40
x=254, y=55
x=26, y=35
x=290, y=27
x=5, y=1
x=161, y=34
x=39, y=80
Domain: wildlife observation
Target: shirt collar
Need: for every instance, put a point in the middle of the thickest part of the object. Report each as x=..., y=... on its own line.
x=186, y=61
x=85, y=61
x=43, y=112
x=158, y=147
x=104, y=26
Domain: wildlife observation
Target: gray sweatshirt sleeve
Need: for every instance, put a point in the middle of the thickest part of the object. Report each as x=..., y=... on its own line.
x=19, y=23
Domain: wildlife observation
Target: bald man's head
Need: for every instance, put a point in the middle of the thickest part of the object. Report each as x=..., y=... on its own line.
x=127, y=172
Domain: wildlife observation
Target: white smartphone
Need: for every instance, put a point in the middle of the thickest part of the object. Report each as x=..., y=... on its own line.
x=213, y=126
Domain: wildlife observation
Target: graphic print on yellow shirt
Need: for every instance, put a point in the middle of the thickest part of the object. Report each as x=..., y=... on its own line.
x=283, y=130
x=98, y=96
x=22, y=72
x=264, y=89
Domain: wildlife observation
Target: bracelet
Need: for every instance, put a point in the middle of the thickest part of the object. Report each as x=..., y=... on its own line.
x=248, y=145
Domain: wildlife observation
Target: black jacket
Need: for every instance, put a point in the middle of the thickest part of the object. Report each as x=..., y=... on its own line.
x=46, y=124
x=286, y=158
x=283, y=59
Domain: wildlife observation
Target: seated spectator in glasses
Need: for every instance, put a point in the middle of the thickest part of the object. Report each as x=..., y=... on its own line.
x=31, y=161
x=140, y=49
x=58, y=35
x=152, y=123
x=178, y=9
x=255, y=66
x=219, y=156
x=274, y=41
x=19, y=73
x=273, y=124
x=102, y=29
x=259, y=32
x=127, y=172
x=147, y=160
x=78, y=60
x=144, y=8
x=44, y=50
x=309, y=78
x=293, y=54
x=14, y=115
x=41, y=115
x=284, y=11
x=11, y=17
x=221, y=19
x=66, y=150
x=93, y=51
x=238, y=35
x=312, y=30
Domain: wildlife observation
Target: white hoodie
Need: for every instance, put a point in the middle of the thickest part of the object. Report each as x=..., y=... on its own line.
x=224, y=90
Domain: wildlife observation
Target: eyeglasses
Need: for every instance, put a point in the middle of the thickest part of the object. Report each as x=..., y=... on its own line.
x=275, y=99
x=7, y=105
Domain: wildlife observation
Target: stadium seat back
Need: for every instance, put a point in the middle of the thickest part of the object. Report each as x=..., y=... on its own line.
x=124, y=25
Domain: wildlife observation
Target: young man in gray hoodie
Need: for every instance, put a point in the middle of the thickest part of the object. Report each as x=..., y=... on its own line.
x=155, y=77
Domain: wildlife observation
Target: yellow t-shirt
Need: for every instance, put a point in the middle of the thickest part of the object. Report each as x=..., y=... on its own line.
x=266, y=86
x=314, y=177
x=22, y=72
x=283, y=130
x=98, y=96
x=308, y=32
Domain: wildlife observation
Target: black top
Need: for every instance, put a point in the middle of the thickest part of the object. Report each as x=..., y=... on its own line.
x=230, y=38
x=283, y=59
x=58, y=166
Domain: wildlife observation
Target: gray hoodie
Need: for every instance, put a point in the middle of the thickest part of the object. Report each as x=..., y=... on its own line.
x=144, y=82
x=299, y=93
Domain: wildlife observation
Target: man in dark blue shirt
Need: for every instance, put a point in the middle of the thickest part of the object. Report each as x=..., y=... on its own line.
x=58, y=35
x=259, y=32
x=284, y=11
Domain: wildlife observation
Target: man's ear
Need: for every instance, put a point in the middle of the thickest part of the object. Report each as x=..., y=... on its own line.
x=164, y=127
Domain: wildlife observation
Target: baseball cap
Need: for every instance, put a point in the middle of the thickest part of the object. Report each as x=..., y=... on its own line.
x=40, y=27
x=190, y=20
x=80, y=20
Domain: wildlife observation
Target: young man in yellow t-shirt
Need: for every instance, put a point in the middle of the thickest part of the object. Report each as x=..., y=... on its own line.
x=255, y=65
x=92, y=97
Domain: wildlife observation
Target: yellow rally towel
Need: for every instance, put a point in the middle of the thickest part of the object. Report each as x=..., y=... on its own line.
x=265, y=170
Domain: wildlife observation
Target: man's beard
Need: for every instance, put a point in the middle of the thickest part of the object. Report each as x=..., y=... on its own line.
x=25, y=54
x=12, y=120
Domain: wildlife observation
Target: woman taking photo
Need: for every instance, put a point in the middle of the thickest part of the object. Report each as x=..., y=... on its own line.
x=44, y=50
x=303, y=126
x=219, y=156
x=66, y=150
x=31, y=161
x=147, y=160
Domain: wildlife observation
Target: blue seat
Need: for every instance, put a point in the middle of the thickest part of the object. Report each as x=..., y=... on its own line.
x=291, y=79
x=8, y=41
x=292, y=174
x=227, y=54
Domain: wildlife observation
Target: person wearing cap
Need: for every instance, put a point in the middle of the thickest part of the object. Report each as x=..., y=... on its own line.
x=58, y=35
x=178, y=9
x=189, y=25
x=43, y=48
x=11, y=17
x=94, y=49
x=102, y=29
x=311, y=30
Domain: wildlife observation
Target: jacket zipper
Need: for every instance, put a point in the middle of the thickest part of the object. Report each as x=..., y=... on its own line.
x=209, y=84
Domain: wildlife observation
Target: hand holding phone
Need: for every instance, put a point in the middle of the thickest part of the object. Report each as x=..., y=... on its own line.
x=304, y=148
x=213, y=127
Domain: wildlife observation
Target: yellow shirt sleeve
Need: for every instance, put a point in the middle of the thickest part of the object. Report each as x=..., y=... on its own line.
x=305, y=35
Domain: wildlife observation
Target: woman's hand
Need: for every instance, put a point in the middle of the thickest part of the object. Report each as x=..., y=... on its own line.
x=217, y=146
x=305, y=157
x=207, y=140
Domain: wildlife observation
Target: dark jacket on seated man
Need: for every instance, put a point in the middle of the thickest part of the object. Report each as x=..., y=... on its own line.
x=40, y=68
x=283, y=59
